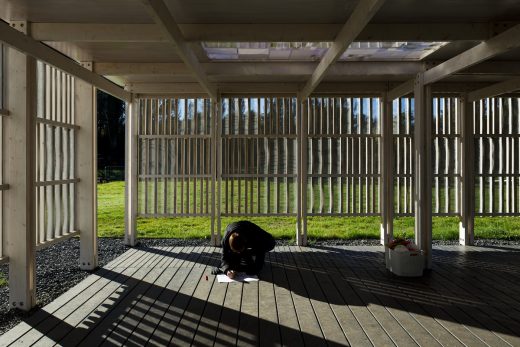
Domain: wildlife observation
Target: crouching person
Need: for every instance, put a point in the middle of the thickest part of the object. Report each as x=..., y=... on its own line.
x=243, y=249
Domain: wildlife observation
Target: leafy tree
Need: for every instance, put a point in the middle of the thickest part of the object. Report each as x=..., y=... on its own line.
x=111, y=130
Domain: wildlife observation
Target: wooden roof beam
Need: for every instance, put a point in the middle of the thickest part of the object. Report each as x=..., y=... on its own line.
x=499, y=44
x=116, y=32
x=360, y=17
x=19, y=41
x=162, y=17
x=495, y=90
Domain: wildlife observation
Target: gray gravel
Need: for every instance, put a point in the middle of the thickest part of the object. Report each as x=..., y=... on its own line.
x=57, y=267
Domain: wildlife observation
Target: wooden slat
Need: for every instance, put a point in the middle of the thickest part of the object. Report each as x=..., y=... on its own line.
x=307, y=319
x=65, y=306
x=131, y=324
x=331, y=329
x=334, y=295
x=268, y=330
x=105, y=304
x=204, y=334
x=229, y=319
x=112, y=313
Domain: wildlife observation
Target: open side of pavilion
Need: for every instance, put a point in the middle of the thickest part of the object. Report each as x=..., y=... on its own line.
x=328, y=108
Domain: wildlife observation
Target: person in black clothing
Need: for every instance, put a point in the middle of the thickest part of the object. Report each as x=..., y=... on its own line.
x=243, y=249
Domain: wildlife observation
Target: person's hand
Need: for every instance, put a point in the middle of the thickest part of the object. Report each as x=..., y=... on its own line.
x=231, y=274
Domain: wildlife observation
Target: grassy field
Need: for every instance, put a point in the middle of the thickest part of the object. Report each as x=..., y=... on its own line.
x=111, y=223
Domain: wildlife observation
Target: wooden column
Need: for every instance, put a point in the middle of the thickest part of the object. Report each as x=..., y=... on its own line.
x=301, y=192
x=467, y=180
x=20, y=132
x=386, y=187
x=86, y=170
x=131, y=164
x=423, y=167
x=216, y=169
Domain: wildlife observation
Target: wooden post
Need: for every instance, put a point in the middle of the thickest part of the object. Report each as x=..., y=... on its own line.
x=216, y=179
x=423, y=167
x=467, y=183
x=131, y=164
x=386, y=198
x=86, y=170
x=20, y=132
x=301, y=225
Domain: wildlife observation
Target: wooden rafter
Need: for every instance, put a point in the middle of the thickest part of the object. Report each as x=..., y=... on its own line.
x=361, y=15
x=499, y=44
x=162, y=16
x=38, y=50
x=114, y=32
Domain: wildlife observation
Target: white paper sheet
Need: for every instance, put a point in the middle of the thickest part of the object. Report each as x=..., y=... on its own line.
x=239, y=277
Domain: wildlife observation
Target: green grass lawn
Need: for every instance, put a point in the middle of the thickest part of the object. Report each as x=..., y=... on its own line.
x=111, y=224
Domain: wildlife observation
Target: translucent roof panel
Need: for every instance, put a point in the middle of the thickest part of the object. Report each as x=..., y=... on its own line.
x=390, y=50
x=311, y=51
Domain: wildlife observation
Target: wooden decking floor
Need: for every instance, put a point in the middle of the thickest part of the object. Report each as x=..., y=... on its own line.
x=307, y=296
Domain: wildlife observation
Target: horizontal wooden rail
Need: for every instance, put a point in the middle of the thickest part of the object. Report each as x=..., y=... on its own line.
x=173, y=215
x=4, y=112
x=57, y=123
x=4, y=186
x=175, y=176
x=354, y=175
x=344, y=214
x=186, y=136
x=259, y=136
x=245, y=214
x=497, y=136
x=497, y=175
x=260, y=176
x=4, y=260
x=342, y=136
x=55, y=182
x=63, y=237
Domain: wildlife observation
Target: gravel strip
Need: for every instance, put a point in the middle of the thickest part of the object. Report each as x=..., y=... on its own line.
x=57, y=267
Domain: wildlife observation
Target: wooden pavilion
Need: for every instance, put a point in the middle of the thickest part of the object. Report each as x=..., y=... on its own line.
x=309, y=108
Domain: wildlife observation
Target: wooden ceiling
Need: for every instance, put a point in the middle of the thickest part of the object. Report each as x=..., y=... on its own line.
x=128, y=44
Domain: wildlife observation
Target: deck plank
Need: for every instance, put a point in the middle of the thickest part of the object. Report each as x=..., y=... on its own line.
x=337, y=295
x=93, y=327
x=135, y=320
x=306, y=316
x=172, y=306
x=205, y=333
x=288, y=320
x=62, y=321
x=88, y=286
x=192, y=315
x=268, y=328
x=410, y=303
x=357, y=302
x=228, y=323
x=353, y=331
x=330, y=327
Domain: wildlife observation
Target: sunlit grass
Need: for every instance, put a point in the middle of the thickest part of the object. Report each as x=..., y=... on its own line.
x=111, y=224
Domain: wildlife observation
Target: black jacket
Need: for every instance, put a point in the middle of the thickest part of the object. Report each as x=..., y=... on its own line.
x=251, y=260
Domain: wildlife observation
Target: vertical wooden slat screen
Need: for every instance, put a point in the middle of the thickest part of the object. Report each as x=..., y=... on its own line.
x=2, y=187
x=174, y=154
x=258, y=144
x=343, y=155
x=497, y=145
x=446, y=166
x=446, y=138
x=403, y=141
x=55, y=152
x=259, y=156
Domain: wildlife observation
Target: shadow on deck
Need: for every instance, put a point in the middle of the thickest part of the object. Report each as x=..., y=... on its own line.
x=306, y=296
